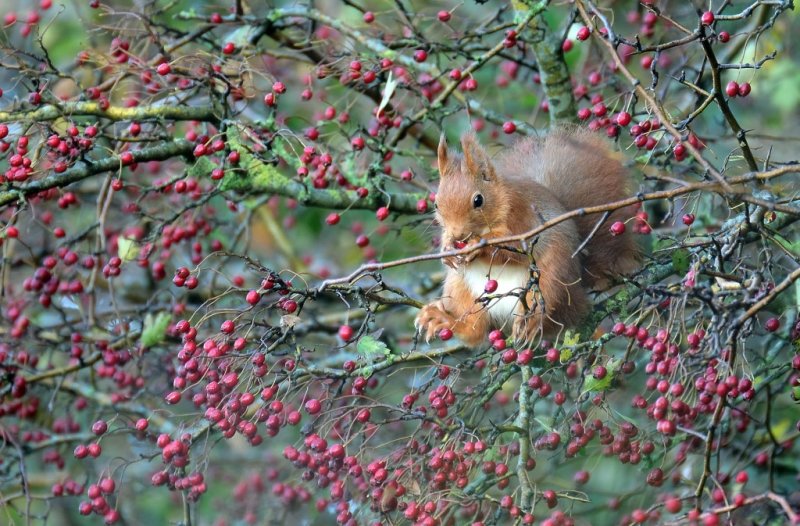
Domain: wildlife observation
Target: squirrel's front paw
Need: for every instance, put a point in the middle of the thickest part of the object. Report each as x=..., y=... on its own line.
x=431, y=319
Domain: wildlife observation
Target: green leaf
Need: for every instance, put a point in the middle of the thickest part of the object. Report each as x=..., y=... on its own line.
x=241, y=36
x=592, y=384
x=127, y=248
x=565, y=355
x=155, y=328
x=571, y=339
x=680, y=261
x=372, y=348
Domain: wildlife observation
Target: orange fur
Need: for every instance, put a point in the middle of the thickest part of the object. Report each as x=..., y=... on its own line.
x=533, y=181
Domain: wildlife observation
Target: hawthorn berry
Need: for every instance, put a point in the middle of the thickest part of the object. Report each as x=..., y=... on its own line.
x=617, y=228
x=623, y=118
x=99, y=427
x=744, y=89
x=313, y=406
x=346, y=333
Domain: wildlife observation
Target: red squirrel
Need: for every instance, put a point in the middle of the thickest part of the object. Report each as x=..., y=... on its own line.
x=538, y=178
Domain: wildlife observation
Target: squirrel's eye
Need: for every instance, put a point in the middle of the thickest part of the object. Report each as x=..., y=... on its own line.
x=477, y=201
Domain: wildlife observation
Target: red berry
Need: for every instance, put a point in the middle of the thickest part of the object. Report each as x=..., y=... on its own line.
x=673, y=505
x=623, y=118
x=732, y=89
x=107, y=485
x=346, y=333
x=313, y=406
x=99, y=427
x=228, y=48
x=707, y=18
x=333, y=218
x=744, y=89
x=599, y=109
x=618, y=228
x=420, y=55
x=369, y=17
x=688, y=219
x=772, y=325
x=363, y=416
x=490, y=286
x=444, y=16
x=252, y=297
x=164, y=69
x=173, y=397
x=679, y=151
x=445, y=334
x=509, y=127
x=382, y=213
x=566, y=46
x=583, y=33
x=724, y=36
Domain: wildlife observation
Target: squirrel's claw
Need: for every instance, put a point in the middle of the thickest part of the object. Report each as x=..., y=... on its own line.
x=431, y=320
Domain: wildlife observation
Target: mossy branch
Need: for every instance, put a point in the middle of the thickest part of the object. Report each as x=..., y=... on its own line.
x=50, y=112
x=552, y=66
x=257, y=176
x=176, y=148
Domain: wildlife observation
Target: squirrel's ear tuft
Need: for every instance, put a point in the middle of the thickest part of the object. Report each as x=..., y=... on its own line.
x=442, y=154
x=476, y=160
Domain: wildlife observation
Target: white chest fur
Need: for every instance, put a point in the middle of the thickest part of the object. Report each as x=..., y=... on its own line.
x=511, y=281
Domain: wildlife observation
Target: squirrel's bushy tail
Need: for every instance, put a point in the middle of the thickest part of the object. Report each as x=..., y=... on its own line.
x=580, y=169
